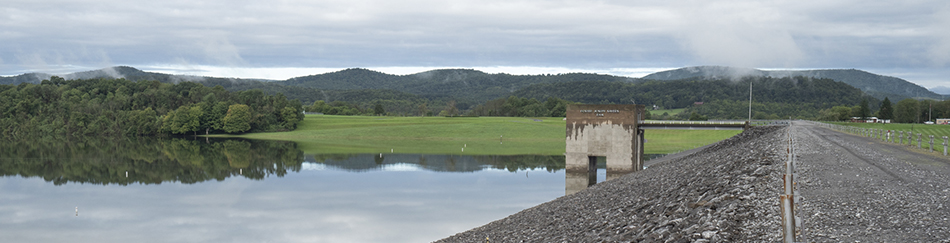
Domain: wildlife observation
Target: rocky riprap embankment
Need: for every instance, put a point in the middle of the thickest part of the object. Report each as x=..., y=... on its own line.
x=727, y=192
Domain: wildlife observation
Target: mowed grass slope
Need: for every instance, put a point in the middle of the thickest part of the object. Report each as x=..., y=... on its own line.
x=936, y=130
x=324, y=134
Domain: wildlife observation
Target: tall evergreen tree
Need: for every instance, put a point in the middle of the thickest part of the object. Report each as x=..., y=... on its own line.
x=887, y=110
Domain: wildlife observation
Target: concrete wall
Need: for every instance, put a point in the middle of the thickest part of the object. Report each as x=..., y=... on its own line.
x=604, y=130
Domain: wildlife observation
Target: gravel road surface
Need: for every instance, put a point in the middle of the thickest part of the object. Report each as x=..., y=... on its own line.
x=858, y=189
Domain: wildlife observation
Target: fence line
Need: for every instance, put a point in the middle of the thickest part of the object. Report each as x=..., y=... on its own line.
x=892, y=136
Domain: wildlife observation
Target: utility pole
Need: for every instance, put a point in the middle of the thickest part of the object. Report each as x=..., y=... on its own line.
x=750, y=101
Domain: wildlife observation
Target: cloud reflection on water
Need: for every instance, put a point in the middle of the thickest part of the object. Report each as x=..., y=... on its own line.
x=399, y=202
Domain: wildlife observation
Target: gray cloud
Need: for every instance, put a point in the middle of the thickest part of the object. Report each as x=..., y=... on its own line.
x=592, y=35
x=940, y=51
x=745, y=35
x=220, y=51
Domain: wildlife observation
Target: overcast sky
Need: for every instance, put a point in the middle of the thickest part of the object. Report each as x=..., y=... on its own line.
x=282, y=39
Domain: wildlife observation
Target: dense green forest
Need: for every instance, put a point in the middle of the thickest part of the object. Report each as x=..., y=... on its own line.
x=452, y=92
x=773, y=98
x=522, y=107
x=362, y=101
x=878, y=86
x=919, y=111
x=466, y=86
x=147, y=160
x=904, y=111
x=110, y=107
x=362, y=88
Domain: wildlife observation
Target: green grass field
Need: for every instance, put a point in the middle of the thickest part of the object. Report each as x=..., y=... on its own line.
x=670, y=111
x=938, y=131
x=324, y=134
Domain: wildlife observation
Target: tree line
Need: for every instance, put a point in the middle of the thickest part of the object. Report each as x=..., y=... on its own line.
x=773, y=98
x=105, y=160
x=905, y=111
x=112, y=107
x=522, y=107
x=440, y=92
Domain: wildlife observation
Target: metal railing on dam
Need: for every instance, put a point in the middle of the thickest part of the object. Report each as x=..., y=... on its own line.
x=694, y=125
x=708, y=125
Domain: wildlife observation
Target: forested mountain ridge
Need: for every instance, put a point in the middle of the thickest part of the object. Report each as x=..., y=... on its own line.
x=469, y=86
x=684, y=93
x=116, y=72
x=466, y=85
x=464, y=90
x=878, y=86
x=721, y=98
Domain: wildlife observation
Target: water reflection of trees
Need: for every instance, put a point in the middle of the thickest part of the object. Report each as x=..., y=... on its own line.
x=442, y=163
x=147, y=160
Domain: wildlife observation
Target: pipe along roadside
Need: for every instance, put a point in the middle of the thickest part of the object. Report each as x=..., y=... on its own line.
x=787, y=200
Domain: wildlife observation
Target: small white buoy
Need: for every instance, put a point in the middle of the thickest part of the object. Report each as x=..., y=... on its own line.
x=241, y=171
x=77, y=211
x=380, y=155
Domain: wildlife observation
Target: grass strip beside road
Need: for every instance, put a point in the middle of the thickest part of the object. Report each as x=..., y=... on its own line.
x=324, y=134
x=936, y=130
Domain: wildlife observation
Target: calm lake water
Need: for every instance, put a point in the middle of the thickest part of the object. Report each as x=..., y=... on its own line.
x=179, y=190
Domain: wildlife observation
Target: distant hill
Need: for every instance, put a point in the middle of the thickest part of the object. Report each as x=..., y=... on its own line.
x=468, y=87
x=33, y=78
x=125, y=72
x=821, y=92
x=463, y=84
x=878, y=86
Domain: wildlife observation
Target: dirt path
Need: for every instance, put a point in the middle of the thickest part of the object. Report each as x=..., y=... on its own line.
x=857, y=189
